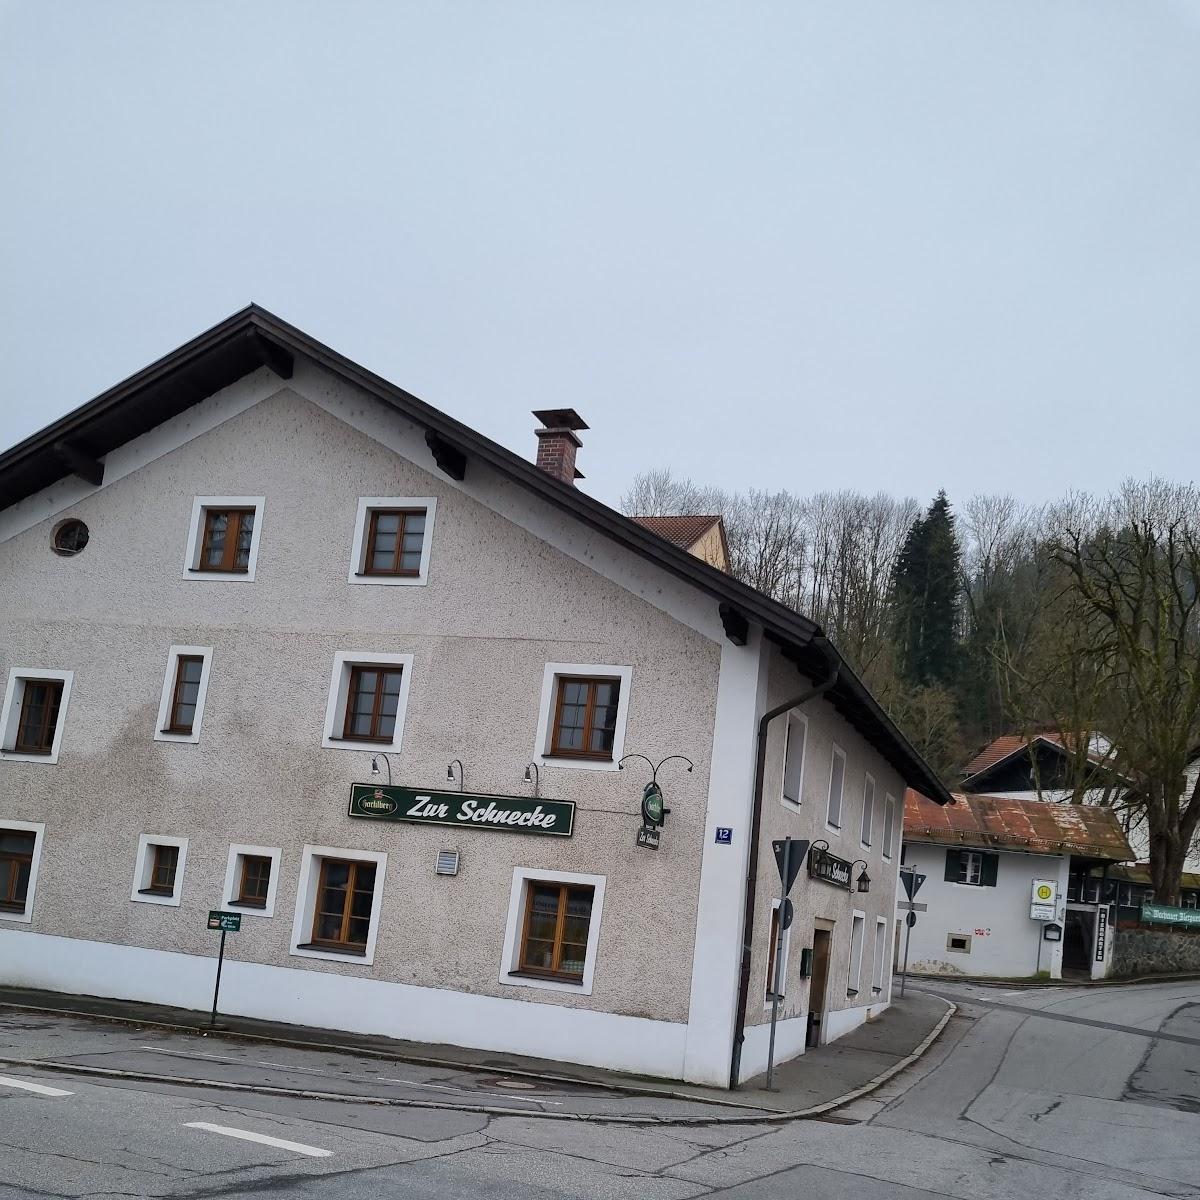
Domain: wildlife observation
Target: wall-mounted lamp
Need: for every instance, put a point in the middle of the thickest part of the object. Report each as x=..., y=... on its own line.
x=455, y=762
x=375, y=766
x=533, y=775
x=864, y=880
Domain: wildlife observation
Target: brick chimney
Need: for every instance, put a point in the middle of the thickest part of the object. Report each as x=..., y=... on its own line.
x=557, y=442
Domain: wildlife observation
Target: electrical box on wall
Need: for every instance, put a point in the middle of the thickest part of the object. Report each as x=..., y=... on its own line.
x=806, y=956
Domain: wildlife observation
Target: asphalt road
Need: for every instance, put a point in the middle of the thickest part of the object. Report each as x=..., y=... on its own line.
x=1056, y=1093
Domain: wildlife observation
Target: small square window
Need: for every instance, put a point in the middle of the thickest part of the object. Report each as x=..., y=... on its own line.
x=223, y=537
x=583, y=715
x=392, y=539
x=20, y=853
x=35, y=706
x=158, y=872
x=368, y=696
x=959, y=943
x=251, y=878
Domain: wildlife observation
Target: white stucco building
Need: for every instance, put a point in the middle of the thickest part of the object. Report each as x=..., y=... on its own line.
x=277, y=637
x=1001, y=891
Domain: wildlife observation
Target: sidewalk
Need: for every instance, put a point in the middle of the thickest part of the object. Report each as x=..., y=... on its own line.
x=815, y=1082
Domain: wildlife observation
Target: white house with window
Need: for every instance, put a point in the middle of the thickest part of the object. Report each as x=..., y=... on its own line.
x=997, y=900
x=282, y=639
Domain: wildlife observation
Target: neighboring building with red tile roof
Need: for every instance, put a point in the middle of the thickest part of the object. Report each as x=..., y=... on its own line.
x=1035, y=767
x=703, y=536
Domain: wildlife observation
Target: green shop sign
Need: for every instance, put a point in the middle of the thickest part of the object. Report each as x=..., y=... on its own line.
x=509, y=814
x=1164, y=914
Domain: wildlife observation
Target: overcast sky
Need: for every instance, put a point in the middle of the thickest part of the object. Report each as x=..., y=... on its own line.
x=884, y=245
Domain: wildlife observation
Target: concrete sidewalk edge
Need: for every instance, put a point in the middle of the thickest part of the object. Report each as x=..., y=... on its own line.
x=756, y=1117
x=1023, y=981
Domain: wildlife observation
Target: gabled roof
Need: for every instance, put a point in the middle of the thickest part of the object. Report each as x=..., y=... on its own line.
x=684, y=531
x=1005, y=746
x=254, y=337
x=1000, y=822
x=1140, y=873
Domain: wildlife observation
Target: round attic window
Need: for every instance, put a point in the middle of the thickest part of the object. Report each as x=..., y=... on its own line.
x=70, y=537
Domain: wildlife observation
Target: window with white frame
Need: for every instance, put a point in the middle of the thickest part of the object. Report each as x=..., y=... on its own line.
x=837, y=781
x=392, y=537
x=582, y=716
x=795, y=741
x=158, y=869
x=881, y=942
x=223, y=537
x=868, y=813
x=185, y=687
x=552, y=932
x=338, y=901
x=368, y=698
x=251, y=878
x=20, y=855
x=854, y=976
x=34, y=714
x=777, y=950
x=889, y=826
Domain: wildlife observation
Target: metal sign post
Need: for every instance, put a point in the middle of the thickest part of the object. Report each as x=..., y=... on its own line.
x=789, y=854
x=226, y=922
x=912, y=885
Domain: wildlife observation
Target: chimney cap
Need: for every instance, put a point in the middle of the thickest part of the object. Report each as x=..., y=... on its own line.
x=560, y=418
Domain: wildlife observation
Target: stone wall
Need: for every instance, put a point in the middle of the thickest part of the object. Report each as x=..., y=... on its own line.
x=1141, y=951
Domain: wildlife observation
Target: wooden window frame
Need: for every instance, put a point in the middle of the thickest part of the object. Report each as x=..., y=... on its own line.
x=49, y=724
x=557, y=751
x=153, y=887
x=242, y=900
x=341, y=946
x=233, y=531
x=374, y=738
x=396, y=571
x=8, y=902
x=173, y=725
x=564, y=890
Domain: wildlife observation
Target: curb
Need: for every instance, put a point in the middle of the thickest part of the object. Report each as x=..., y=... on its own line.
x=759, y=1117
x=1022, y=981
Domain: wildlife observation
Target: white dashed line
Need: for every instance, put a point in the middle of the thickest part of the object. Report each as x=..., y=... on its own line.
x=247, y=1135
x=39, y=1088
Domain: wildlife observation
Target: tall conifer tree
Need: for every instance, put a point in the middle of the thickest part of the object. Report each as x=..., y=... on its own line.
x=927, y=591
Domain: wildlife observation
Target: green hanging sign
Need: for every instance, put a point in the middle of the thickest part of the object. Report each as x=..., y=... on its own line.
x=652, y=805
x=464, y=810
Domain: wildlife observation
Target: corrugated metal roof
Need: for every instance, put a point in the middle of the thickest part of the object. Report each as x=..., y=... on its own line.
x=683, y=531
x=1000, y=821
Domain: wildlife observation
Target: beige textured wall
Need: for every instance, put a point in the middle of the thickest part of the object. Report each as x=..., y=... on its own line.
x=813, y=898
x=711, y=548
x=499, y=605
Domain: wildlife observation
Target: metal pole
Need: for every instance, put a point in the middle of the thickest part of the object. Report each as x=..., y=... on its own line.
x=787, y=870
x=907, y=940
x=217, y=989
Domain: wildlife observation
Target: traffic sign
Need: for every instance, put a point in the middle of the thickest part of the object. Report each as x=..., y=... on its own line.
x=226, y=922
x=789, y=854
x=912, y=882
x=786, y=913
x=911, y=919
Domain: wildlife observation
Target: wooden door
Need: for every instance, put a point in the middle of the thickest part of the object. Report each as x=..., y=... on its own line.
x=820, y=981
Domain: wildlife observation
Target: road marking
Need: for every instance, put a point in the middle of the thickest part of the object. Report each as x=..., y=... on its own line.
x=40, y=1088
x=247, y=1135
x=441, y=1087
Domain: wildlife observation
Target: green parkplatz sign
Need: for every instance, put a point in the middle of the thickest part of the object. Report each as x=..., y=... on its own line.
x=463, y=810
x=1164, y=914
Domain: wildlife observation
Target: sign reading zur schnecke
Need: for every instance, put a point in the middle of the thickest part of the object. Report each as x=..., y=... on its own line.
x=511, y=814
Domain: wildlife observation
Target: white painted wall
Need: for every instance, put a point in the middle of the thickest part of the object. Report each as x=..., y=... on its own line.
x=1004, y=941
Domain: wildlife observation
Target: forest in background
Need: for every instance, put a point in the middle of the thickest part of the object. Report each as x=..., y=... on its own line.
x=1080, y=617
